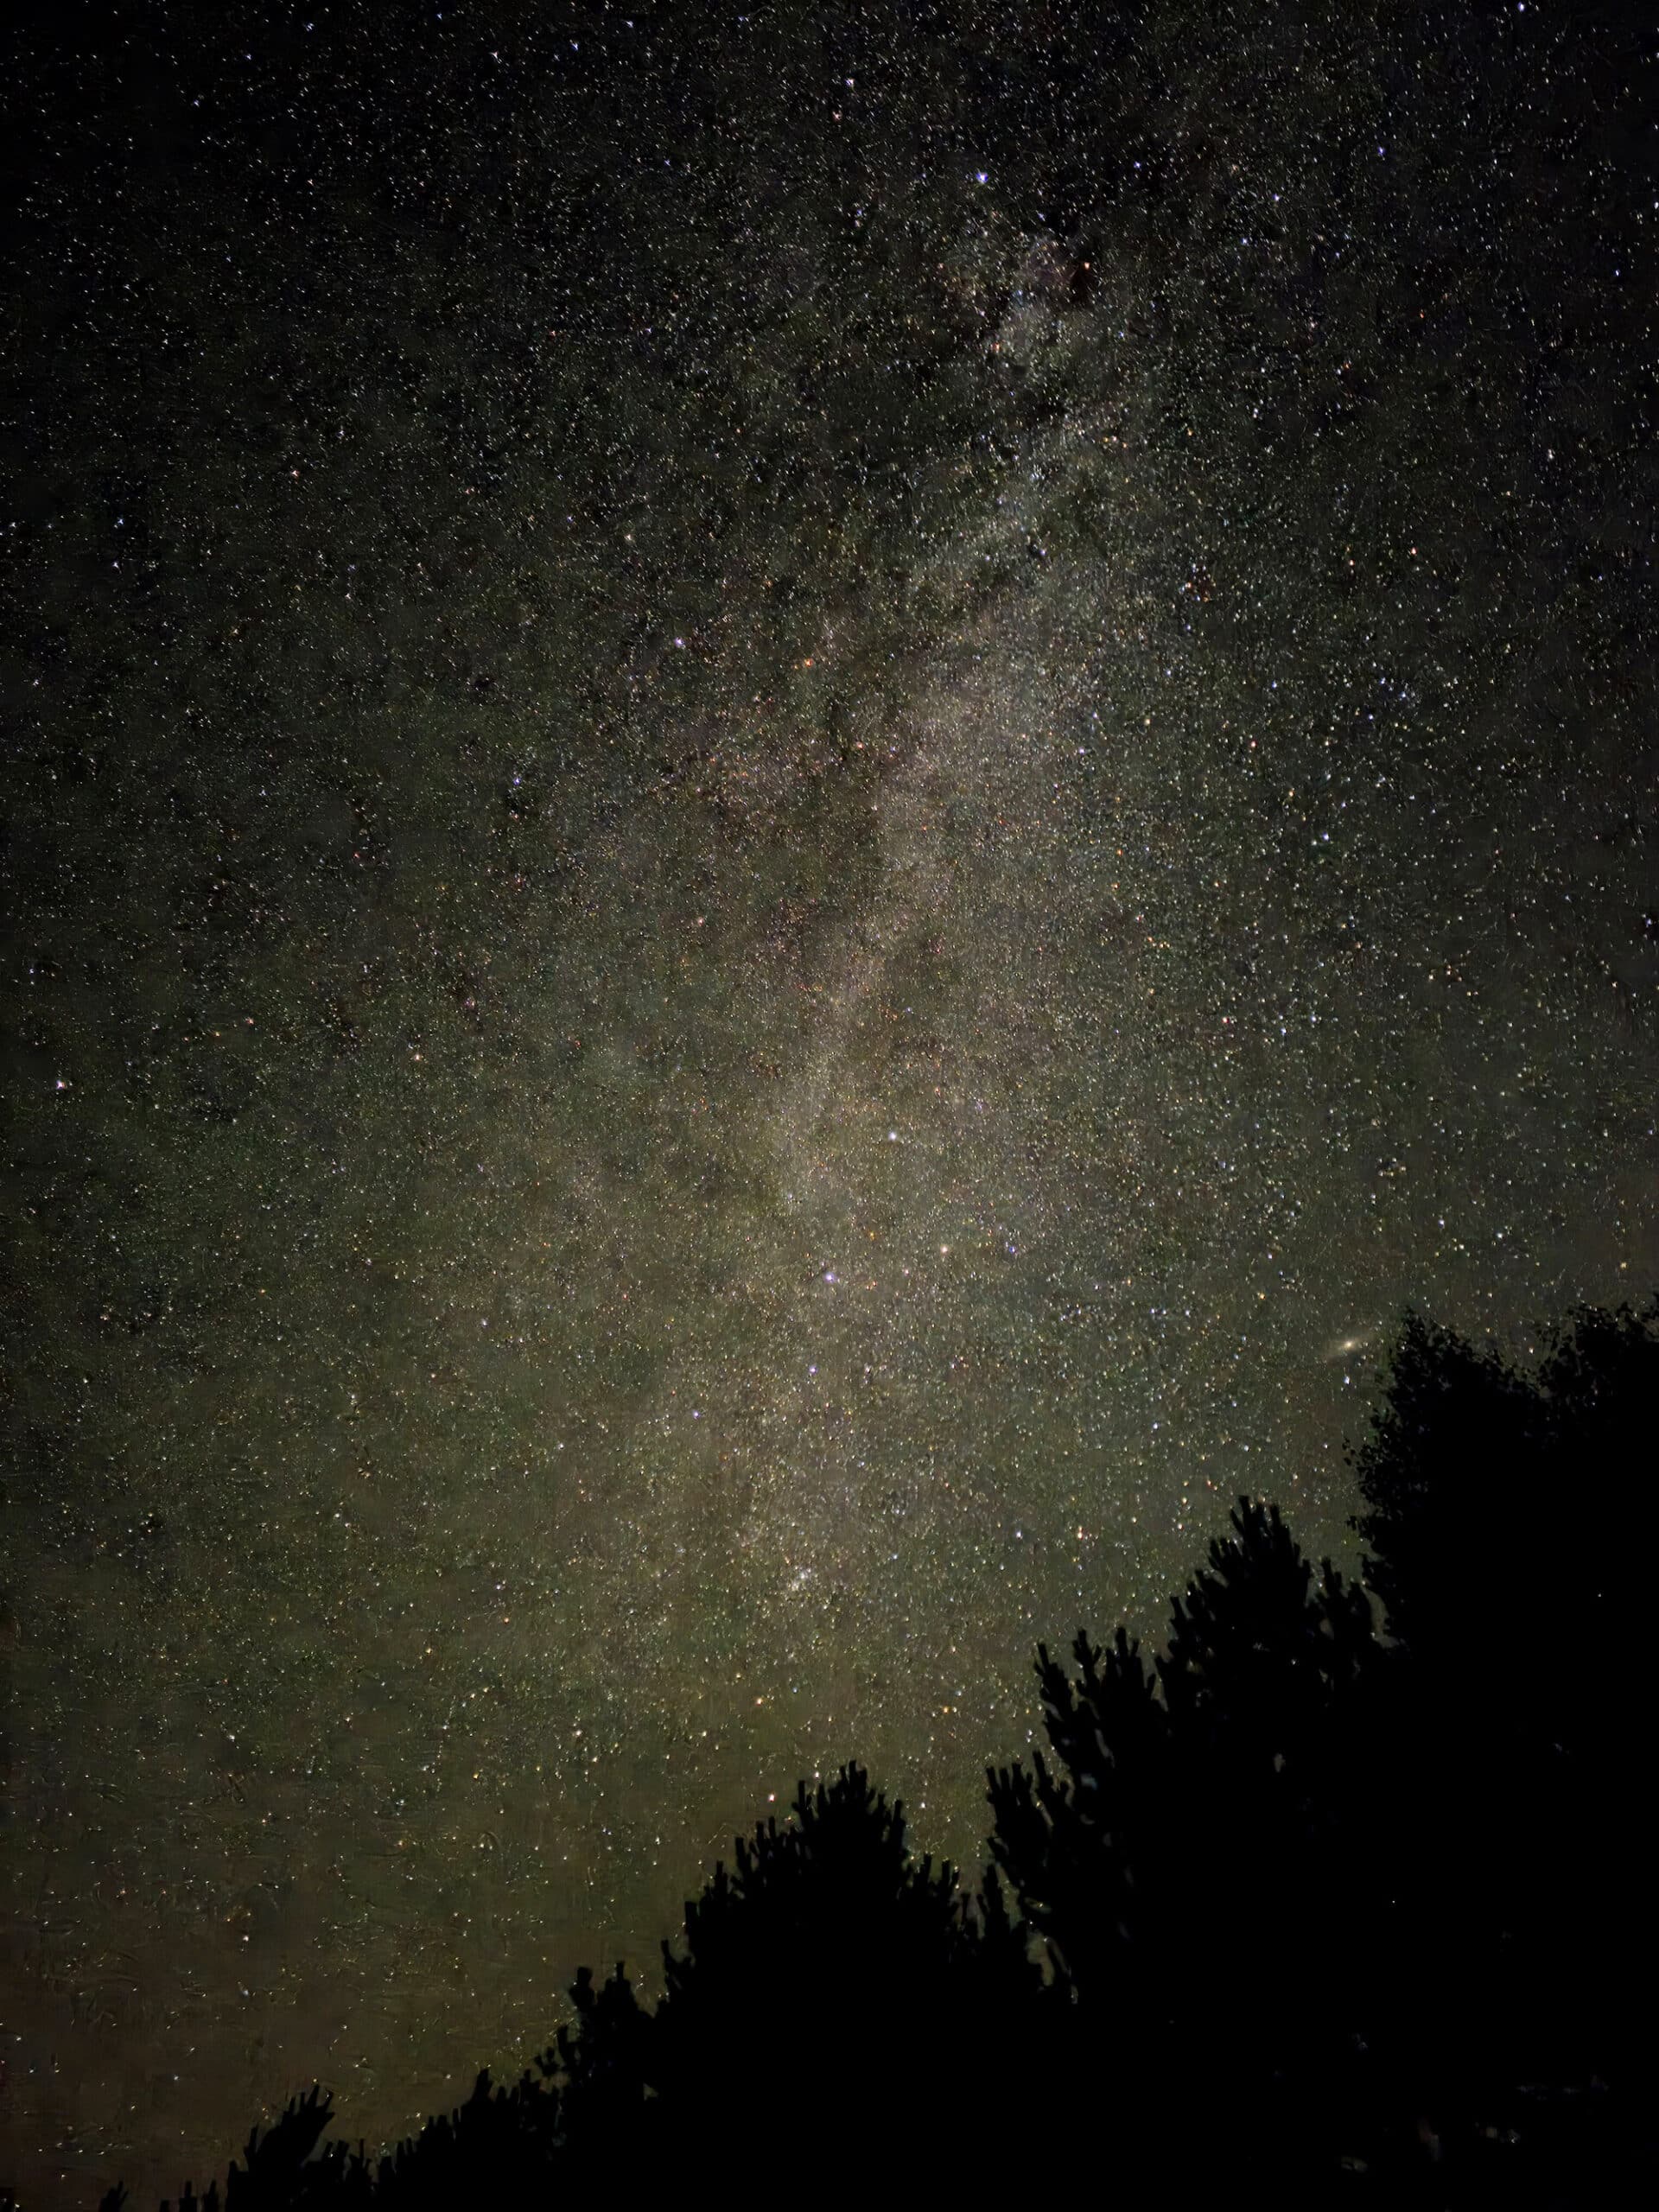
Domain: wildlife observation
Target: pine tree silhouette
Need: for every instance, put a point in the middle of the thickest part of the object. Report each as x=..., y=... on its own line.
x=831, y=1985
x=1509, y=1525
x=1476, y=1478
x=1324, y=1914
x=1186, y=1836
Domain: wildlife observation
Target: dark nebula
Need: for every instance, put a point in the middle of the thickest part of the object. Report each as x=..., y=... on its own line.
x=797, y=801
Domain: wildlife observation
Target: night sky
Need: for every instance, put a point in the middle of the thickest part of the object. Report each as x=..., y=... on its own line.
x=797, y=801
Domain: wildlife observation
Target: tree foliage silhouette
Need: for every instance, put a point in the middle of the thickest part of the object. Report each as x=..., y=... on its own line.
x=1187, y=1831
x=1455, y=1808
x=1510, y=1527
x=830, y=1979
x=1478, y=1481
x=1321, y=1911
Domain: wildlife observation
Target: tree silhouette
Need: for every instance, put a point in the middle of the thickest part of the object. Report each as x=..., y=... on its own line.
x=830, y=1988
x=1325, y=1913
x=831, y=1982
x=1357, y=1901
x=1509, y=1531
x=1477, y=1480
x=1189, y=1834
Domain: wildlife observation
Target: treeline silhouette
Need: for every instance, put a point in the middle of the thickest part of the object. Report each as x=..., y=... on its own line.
x=1318, y=1903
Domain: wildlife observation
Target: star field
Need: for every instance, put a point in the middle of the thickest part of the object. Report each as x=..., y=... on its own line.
x=800, y=800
